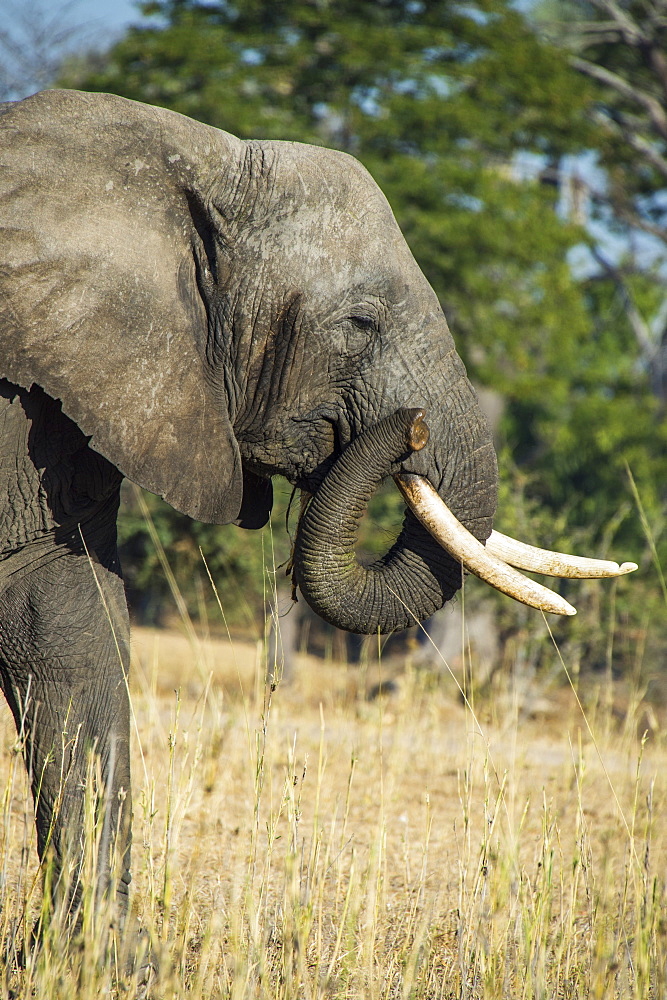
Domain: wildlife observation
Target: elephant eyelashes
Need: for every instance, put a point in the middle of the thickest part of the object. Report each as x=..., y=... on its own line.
x=363, y=323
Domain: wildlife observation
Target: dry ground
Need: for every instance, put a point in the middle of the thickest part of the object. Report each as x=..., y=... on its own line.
x=310, y=842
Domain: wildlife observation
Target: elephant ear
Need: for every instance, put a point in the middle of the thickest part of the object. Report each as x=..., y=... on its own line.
x=99, y=300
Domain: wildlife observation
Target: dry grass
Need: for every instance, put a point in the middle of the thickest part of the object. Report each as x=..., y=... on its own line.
x=308, y=842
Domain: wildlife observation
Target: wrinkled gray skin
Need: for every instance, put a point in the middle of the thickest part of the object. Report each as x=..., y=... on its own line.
x=196, y=313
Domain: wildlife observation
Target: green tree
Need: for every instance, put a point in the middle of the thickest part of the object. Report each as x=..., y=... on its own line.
x=620, y=47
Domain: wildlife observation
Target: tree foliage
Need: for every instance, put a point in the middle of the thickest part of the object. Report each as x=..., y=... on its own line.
x=620, y=46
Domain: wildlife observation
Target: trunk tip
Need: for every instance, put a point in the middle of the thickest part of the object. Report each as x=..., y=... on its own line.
x=419, y=432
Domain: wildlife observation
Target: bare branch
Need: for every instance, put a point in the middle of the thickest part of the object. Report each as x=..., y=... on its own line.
x=647, y=101
x=659, y=322
x=637, y=221
x=658, y=61
x=640, y=327
x=632, y=32
x=631, y=133
x=594, y=32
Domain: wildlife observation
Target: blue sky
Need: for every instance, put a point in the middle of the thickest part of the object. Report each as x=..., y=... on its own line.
x=108, y=17
x=99, y=22
x=35, y=35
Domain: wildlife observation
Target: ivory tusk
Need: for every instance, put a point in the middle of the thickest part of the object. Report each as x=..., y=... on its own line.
x=553, y=563
x=427, y=506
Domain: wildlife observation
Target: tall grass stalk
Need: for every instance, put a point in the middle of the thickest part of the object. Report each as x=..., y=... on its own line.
x=297, y=841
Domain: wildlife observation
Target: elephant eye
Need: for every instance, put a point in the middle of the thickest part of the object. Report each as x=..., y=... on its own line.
x=363, y=323
x=353, y=336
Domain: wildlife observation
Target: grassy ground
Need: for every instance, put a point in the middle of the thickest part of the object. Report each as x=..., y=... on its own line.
x=310, y=842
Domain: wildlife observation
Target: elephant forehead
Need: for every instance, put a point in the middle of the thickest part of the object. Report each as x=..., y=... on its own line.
x=324, y=187
x=317, y=215
x=313, y=172
x=337, y=248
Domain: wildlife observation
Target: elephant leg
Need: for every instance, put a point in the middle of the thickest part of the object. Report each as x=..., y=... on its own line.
x=64, y=635
x=64, y=654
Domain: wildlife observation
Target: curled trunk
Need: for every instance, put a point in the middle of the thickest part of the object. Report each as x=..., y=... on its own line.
x=410, y=582
x=416, y=576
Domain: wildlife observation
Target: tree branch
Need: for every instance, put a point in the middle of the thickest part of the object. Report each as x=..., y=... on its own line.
x=637, y=221
x=647, y=101
x=657, y=60
x=640, y=327
x=639, y=143
x=630, y=29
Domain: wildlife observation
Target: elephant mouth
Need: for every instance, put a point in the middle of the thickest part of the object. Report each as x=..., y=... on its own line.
x=417, y=575
x=309, y=445
x=332, y=438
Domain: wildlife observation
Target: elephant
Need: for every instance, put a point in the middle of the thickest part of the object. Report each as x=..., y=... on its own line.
x=199, y=313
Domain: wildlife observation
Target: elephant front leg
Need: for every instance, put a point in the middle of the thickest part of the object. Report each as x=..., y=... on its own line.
x=64, y=653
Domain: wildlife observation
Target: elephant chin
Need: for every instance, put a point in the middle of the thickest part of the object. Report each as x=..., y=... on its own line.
x=410, y=582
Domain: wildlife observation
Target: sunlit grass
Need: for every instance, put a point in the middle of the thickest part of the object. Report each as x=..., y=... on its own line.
x=307, y=842
x=300, y=840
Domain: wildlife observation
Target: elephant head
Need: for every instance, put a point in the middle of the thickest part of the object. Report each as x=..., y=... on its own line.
x=212, y=312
